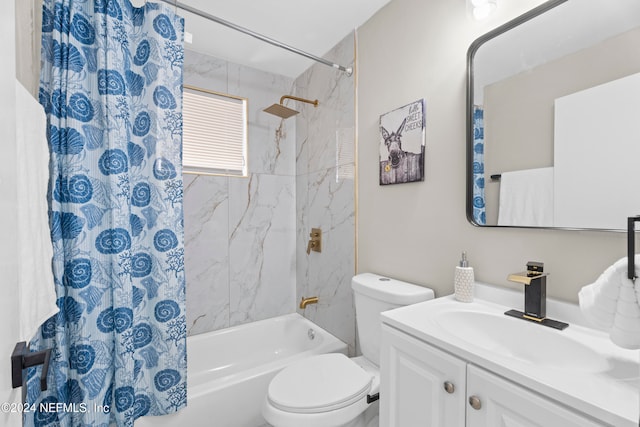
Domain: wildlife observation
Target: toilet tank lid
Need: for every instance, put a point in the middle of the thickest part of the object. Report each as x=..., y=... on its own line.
x=390, y=290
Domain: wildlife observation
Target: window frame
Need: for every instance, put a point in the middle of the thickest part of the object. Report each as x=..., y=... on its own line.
x=244, y=173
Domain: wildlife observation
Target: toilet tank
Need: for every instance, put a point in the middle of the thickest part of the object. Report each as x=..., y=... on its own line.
x=374, y=294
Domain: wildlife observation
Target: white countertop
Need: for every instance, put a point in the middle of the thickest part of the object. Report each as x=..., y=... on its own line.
x=611, y=394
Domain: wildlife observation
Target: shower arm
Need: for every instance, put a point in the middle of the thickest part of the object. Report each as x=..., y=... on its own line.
x=295, y=98
x=177, y=4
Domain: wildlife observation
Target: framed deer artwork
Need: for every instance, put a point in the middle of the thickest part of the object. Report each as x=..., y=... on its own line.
x=402, y=143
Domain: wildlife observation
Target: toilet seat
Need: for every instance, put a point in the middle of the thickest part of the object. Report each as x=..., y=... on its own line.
x=319, y=384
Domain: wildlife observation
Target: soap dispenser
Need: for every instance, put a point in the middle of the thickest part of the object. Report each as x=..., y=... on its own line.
x=463, y=280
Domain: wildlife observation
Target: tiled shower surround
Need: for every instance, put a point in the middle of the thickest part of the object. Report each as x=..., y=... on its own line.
x=246, y=238
x=325, y=144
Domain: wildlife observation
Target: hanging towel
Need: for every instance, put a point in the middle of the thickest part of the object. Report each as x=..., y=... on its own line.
x=37, y=297
x=526, y=198
x=613, y=303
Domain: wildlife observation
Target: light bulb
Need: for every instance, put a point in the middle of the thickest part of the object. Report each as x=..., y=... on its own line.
x=483, y=8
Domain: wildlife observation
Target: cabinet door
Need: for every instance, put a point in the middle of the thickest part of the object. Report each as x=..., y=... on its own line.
x=504, y=404
x=412, y=384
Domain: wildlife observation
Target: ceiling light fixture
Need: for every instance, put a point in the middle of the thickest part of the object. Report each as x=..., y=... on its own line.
x=483, y=8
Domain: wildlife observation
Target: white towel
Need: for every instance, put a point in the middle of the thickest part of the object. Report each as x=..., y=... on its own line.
x=612, y=303
x=526, y=198
x=37, y=297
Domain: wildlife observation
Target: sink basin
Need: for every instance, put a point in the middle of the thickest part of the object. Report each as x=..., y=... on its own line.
x=578, y=366
x=515, y=338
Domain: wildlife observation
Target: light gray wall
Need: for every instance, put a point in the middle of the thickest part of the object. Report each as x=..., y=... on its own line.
x=9, y=318
x=28, y=33
x=417, y=49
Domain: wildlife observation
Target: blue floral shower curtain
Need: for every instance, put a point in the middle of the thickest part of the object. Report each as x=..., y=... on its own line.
x=111, y=86
x=479, y=210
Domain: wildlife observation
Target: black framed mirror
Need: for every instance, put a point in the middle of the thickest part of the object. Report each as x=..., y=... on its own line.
x=552, y=107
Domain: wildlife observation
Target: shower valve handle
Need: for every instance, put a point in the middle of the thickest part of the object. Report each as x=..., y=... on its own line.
x=310, y=246
x=315, y=241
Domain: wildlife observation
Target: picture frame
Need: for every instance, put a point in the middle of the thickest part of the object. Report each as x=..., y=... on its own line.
x=402, y=144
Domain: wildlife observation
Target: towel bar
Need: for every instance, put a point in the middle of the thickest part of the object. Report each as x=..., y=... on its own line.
x=631, y=246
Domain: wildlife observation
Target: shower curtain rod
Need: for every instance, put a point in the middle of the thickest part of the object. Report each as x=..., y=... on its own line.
x=347, y=70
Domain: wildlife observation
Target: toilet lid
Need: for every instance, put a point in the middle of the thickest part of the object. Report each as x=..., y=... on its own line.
x=319, y=384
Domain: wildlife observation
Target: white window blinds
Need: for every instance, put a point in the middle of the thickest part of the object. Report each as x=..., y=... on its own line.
x=214, y=133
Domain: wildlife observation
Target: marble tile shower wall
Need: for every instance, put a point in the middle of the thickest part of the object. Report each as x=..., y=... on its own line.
x=325, y=144
x=240, y=233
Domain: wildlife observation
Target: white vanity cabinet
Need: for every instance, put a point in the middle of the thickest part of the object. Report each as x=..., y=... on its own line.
x=425, y=386
x=503, y=403
x=413, y=378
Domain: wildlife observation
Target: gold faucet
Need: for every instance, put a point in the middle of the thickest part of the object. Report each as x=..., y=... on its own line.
x=535, y=296
x=535, y=291
x=304, y=302
x=315, y=242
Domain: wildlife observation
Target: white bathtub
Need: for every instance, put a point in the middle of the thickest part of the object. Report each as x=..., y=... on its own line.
x=229, y=370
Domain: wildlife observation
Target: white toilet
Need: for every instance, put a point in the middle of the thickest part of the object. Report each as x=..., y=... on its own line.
x=331, y=390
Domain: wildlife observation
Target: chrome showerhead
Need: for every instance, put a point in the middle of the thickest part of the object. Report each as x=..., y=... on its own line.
x=285, y=112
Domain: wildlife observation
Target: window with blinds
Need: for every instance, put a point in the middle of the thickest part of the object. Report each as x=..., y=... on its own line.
x=214, y=133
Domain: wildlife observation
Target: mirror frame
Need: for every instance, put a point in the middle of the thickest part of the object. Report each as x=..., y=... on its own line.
x=544, y=7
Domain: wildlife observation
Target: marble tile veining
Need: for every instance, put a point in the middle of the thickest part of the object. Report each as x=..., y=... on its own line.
x=245, y=238
x=240, y=232
x=262, y=248
x=206, y=208
x=325, y=143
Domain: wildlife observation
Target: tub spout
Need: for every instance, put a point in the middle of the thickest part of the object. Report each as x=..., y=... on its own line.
x=304, y=302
